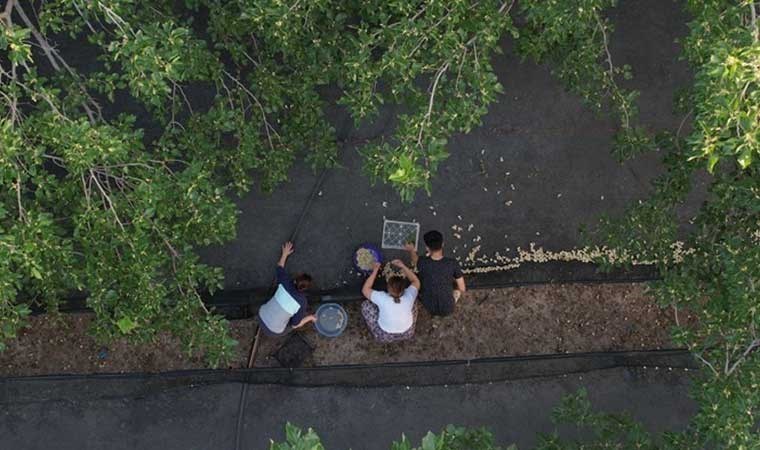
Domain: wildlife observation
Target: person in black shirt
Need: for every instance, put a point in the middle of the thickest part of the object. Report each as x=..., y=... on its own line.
x=441, y=277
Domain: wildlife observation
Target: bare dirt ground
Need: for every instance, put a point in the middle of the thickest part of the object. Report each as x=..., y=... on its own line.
x=503, y=322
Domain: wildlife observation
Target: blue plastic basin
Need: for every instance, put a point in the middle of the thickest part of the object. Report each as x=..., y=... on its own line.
x=332, y=320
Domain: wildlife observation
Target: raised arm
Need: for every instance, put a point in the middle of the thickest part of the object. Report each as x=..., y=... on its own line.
x=287, y=250
x=413, y=256
x=411, y=276
x=370, y=281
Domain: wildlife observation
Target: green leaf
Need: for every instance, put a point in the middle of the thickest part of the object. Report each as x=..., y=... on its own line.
x=292, y=433
x=35, y=273
x=398, y=175
x=404, y=444
x=711, y=161
x=745, y=157
x=126, y=325
x=429, y=442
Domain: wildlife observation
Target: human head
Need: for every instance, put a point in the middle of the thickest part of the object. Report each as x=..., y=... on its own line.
x=433, y=240
x=396, y=286
x=303, y=282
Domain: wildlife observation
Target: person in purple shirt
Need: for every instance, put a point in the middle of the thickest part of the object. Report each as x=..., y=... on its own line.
x=288, y=307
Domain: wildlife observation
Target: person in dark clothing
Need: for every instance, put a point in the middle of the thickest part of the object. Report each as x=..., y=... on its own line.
x=441, y=277
x=288, y=306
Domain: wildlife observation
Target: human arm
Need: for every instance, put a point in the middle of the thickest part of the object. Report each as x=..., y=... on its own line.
x=413, y=256
x=305, y=320
x=287, y=250
x=411, y=276
x=459, y=279
x=300, y=317
x=460, y=285
x=370, y=281
x=281, y=275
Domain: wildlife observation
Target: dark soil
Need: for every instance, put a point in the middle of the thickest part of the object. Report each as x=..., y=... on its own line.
x=503, y=322
x=508, y=322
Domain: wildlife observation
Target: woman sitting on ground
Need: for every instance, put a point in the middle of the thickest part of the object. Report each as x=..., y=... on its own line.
x=391, y=315
x=288, y=307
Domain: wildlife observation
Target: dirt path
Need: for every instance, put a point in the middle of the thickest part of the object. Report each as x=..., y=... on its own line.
x=503, y=322
x=508, y=322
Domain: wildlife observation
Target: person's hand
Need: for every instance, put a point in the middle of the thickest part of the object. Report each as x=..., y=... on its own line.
x=409, y=247
x=287, y=249
x=376, y=266
x=398, y=263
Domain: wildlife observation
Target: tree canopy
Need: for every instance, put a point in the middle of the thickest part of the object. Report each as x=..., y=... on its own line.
x=92, y=202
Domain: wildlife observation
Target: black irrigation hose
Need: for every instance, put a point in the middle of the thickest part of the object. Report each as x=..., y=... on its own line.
x=305, y=210
x=293, y=236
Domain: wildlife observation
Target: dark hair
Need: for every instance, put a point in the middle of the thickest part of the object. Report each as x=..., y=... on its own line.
x=433, y=239
x=303, y=282
x=396, y=286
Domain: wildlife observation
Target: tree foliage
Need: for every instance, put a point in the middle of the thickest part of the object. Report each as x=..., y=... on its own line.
x=717, y=275
x=450, y=438
x=604, y=431
x=95, y=200
x=574, y=37
x=296, y=439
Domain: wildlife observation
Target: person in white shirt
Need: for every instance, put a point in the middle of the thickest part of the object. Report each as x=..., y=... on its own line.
x=391, y=315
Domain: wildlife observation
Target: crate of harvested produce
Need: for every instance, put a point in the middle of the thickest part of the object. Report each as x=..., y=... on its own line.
x=397, y=234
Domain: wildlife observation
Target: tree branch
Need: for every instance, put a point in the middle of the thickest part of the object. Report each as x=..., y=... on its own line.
x=42, y=95
x=706, y=362
x=752, y=346
x=13, y=76
x=21, y=213
x=6, y=15
x=14, y=100
x=81, y=14
x=86, y=191
x=728, y=358
x=107, y=198
x=267, y=126
x=680, y=126
x=115, y=18
x=606, y=46
x=426, y=120
x=58, y=63
x=182, y=92
x=611, y=70
x=503, y=9
x=459, y=69
x=675, y=314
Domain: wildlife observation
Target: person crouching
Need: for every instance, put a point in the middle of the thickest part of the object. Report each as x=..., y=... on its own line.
x=288, y=307
x=391, y=315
